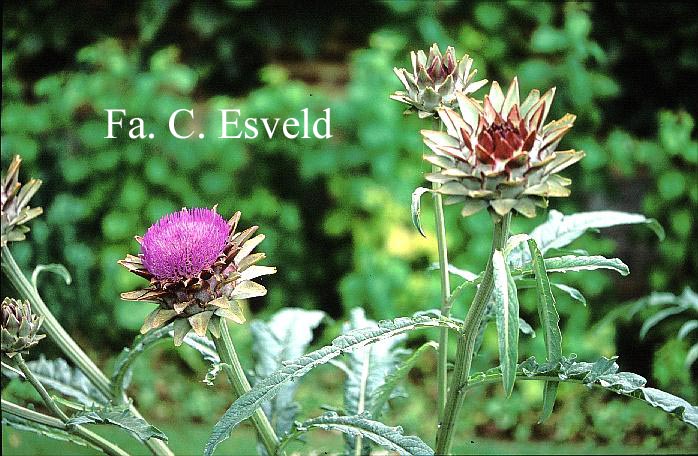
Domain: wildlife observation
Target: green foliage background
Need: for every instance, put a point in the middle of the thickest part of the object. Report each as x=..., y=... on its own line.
x=336, y=212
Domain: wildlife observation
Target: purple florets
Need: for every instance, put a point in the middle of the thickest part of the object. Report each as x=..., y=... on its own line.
x=182, y=244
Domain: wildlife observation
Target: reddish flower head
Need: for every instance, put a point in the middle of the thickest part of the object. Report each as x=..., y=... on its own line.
x=501, y=153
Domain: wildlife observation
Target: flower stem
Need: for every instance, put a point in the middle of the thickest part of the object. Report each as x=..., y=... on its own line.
x=63, y=340
x=39, y=388
x=103, y=444
x=466, y=340
x=442, y=366
x=238, y=379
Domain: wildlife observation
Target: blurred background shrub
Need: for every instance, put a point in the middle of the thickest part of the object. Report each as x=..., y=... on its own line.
x=336, y=212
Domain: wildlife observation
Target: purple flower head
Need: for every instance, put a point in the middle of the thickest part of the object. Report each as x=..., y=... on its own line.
x=182, y=244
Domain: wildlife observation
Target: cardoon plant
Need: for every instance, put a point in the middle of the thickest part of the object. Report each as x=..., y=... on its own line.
x=500, y=154
x=497, y=153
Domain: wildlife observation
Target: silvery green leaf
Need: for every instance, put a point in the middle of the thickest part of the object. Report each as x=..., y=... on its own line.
x=55, y=268
x=122, y=366
x=601, y=374
x=573, y=293
x=57, y=375
x=671, y=404
x=121, y=417
x=207, y=349
x=506, y=305
x=367, y=367
x=526, y=329
x=390, y=438
x=384, y=392
x=267, y=388
x=686, y=328
x=550, y=320
x=286, y=336
x=691, y=356
x=416, y=208
x=663, y=314
x=573, y=263
x=561, y=230
x=22, y=424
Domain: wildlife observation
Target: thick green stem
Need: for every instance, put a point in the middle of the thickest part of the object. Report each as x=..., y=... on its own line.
x=466, y=341
x=238, y=379
x=63, y=340
x=62, y=421
x=442, y=366
x=442, y=374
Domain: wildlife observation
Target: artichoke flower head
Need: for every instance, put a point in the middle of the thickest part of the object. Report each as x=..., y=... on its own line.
x=500, y=154
x=434, y=81
x=20, y=327
x=14, y=204
x=198, y=267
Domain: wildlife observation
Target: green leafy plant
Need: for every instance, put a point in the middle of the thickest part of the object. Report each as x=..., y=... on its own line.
x=370, y=354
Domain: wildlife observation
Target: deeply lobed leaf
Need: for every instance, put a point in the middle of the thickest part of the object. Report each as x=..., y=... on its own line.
x=267, y=388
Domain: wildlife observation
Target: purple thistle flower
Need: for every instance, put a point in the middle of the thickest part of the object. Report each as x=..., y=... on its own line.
x=182, y=244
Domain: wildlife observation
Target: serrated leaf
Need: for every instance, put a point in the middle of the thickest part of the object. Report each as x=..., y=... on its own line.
x=506, y=302
x=416, y=208
x=561, y=230
x=58, y=375
x=207, y=349
x=267, y=388
x=55, y=268
x=602, y=374
x=574, y=263
x=122, y=366
x=550, y=319
x=121, y=417
x=21, y=424
x=286, y=336
x=367, y=368
x=384, y=392
x=391, y=438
